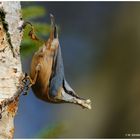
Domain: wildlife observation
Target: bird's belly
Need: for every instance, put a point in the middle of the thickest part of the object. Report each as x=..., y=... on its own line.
x=41, y=91
x=41, y=86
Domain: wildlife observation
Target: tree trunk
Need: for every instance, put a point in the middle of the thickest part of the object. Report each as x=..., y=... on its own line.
x=10, y=66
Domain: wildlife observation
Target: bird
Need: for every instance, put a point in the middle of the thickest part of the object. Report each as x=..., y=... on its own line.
x=47, y=77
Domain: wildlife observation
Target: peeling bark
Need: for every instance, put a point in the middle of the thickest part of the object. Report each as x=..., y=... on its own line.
x=10, y=66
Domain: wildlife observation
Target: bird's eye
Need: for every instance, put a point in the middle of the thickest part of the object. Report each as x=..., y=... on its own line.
x=71, y=93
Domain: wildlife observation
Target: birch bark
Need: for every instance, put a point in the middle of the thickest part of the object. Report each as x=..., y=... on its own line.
x=10, y=65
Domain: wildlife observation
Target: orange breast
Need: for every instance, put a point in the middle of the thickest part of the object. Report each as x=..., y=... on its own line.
x=45, y=59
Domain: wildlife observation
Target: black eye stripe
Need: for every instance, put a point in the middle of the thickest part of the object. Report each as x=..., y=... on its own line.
x=69, y=92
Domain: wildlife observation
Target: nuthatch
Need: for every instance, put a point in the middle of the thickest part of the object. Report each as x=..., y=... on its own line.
x=47, y=77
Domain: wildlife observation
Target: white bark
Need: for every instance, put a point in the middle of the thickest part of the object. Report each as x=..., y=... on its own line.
x=10, y=66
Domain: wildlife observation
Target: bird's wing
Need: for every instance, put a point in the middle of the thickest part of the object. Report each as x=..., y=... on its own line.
x=57, y=77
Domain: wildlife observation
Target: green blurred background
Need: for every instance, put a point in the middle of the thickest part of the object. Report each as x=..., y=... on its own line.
x=101, y=51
